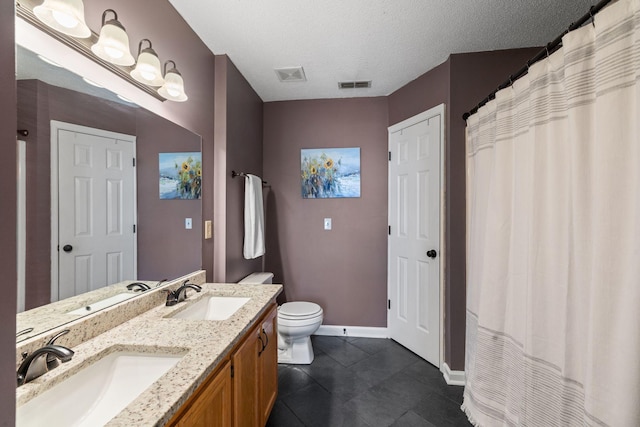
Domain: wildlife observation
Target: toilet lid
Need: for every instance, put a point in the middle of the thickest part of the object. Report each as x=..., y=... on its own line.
x=299, y=309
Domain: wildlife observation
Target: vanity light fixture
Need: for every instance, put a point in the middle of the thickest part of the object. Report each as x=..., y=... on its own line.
x=173, y=88
x=113, y=43
x=147, y=69
x=65, y=16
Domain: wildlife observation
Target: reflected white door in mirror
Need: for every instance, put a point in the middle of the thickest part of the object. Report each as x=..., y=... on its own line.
x=93, y=209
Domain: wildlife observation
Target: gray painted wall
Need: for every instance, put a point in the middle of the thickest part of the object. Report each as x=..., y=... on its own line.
x=345, y=269
x=173, y=39
x=238, y=146
x=244, y=154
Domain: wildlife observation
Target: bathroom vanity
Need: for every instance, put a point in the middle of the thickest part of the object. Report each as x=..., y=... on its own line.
x=225, y=374
x=243, y=388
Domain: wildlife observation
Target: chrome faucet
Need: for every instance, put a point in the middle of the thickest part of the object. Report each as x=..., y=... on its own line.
x=180, y=294
x=139, y=286
x=36, y=364
x=52, y=361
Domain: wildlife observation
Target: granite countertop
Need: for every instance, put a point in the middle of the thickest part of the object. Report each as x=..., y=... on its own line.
x=204, y=344
x=51, y=315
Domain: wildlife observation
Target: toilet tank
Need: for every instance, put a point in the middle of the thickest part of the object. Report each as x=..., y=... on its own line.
x=257, y=278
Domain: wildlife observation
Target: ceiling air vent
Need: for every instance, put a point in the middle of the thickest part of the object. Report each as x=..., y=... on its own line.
x=355, y=85
x=291, y=74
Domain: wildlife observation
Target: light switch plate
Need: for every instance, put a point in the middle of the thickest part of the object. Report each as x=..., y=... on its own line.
x=188, y=224
x=327, y=223
x=208, y=229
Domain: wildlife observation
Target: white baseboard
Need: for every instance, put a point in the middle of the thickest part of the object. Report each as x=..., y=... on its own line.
x=452, y=377
x=352, y=331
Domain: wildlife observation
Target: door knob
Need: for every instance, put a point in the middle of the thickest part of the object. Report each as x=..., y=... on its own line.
x=431, y=253
x=67, y=248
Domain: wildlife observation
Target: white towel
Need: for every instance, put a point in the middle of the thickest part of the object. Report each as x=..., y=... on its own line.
x=253, y=217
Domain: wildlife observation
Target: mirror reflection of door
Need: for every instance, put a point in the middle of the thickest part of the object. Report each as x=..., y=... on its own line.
x=96, y=208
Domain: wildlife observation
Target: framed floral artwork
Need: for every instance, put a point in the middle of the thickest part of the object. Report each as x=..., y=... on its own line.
x=330, y=172
x=180, y=175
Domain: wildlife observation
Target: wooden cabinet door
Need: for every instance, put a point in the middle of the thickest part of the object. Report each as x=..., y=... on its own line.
x=245, y=381
x=212, y=406
x=268, y=361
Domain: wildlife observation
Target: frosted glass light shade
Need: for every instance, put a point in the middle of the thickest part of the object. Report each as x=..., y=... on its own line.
x=65, y=16
x=113, y=44
x=173, y=88
x=148, y=69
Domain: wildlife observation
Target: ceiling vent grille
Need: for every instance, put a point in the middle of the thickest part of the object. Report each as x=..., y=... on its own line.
x=355, y=85
x=291, y=74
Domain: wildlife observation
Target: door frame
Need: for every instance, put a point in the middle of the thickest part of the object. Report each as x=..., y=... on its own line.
x=57, y=126
x=426, y=115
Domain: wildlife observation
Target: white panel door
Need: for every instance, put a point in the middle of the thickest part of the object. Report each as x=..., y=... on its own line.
x=414, y=237
x=96, y=211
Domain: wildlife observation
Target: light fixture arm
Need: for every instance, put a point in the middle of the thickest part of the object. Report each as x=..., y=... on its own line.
x=113, y=21
x=104, y=16
x=140, y=46
x=173, y=70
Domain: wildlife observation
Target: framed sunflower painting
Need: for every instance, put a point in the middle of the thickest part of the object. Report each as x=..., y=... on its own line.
x=330, y=172
x=180, y=175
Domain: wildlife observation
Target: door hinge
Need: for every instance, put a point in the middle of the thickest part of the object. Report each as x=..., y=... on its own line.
x=389, y=155
x=134, y=229
x=389, y=230
x=232, y=371
x=134, y=162
x=389, y=304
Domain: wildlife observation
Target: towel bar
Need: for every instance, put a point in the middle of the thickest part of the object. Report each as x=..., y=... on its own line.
x=234, y=174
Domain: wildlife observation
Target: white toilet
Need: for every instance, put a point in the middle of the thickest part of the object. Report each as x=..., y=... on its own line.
x=296, y=322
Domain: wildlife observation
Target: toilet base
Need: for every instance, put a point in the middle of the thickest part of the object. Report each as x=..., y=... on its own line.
x=299, y=352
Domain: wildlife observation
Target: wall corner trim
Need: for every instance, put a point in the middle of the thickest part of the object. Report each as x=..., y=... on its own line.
x=452, y=377
x=352, y=331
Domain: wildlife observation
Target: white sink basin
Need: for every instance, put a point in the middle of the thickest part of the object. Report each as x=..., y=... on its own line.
x=212, y=308
x=97, y=393
x=104, y=303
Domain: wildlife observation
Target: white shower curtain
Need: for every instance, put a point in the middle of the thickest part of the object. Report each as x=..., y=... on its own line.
x=553, y=294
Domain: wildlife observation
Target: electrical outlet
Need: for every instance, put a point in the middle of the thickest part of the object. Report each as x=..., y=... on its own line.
x=208, y=229
x=327, y=223
x=188, y=223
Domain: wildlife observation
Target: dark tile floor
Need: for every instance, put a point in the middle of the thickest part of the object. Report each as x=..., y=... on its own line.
x=365, y=382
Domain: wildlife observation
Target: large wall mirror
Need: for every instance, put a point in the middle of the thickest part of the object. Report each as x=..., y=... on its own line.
x=51, y=97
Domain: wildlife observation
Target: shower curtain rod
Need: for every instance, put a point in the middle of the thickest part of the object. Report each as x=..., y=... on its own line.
x=551, y=47
x=234, y=174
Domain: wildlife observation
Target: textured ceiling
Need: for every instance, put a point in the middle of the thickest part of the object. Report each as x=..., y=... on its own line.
x=390, y=42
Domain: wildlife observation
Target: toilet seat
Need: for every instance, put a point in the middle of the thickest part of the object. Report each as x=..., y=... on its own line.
x=299, y=310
